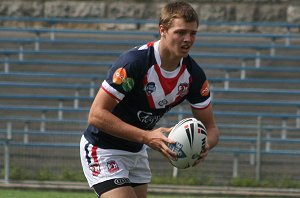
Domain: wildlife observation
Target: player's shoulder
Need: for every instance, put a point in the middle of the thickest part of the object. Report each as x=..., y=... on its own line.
x=192, y=66
x=137, y=53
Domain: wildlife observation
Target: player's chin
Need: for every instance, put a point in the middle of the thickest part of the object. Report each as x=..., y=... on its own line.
x=184, y=53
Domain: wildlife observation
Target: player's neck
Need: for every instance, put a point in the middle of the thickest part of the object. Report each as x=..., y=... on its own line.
x=169, y=67
x=169, y=62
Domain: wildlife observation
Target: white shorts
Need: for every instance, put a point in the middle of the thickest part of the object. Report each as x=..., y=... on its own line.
x=100, y=165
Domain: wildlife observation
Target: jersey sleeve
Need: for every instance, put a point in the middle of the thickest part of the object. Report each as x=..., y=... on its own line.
x=121, y=77
x=199, y=93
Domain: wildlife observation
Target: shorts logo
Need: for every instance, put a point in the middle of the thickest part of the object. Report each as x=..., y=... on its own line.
x=150, y=88
x=95, y=168
x=121, y=181
x=205, y=89
x=183, y=89
x=112, y=166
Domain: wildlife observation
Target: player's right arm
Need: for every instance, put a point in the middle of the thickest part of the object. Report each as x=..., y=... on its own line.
x=101, y=117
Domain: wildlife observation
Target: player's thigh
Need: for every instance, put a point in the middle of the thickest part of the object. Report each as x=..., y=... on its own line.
x=141, y=190
x=121, y=192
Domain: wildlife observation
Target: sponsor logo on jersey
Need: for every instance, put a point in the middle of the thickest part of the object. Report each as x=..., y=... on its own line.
x=121, y=181
x=128, y=84
x=150, y=88
x=183, y=89
x=112, y=166
x=205, y=89
x=148, y=118
x=163, y=102
x=95, y=168
x=177, y=148
x=119, y=76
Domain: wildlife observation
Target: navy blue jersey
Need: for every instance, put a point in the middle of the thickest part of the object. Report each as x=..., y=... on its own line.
x=145, y=92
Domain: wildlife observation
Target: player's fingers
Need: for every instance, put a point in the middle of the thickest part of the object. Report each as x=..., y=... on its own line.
x=166, y=131
x=168, y=152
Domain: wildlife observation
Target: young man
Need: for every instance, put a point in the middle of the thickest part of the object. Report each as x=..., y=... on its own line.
x=142, y=85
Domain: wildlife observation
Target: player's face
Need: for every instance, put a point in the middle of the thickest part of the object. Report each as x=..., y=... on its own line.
x=180, y=37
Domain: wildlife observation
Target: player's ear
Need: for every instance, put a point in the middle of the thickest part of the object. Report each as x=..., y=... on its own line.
x=162, y=30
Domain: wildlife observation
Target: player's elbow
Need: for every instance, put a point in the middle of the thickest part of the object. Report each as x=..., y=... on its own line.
x=94, y=117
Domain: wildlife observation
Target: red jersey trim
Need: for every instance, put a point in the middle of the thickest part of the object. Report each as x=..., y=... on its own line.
x=114, y=97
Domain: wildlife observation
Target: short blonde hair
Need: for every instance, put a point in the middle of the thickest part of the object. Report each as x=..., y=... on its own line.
x=177, y=10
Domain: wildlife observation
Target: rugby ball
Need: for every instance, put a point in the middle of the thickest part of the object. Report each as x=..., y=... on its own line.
x=190, y=137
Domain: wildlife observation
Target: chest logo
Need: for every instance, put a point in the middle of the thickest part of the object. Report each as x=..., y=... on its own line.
x=183, y=89
x=150, y=88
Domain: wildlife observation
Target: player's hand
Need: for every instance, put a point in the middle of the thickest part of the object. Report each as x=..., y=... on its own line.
x=202, y=155
x=157, y=140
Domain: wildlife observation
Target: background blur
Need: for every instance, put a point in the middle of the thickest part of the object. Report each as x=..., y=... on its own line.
x=55, y=54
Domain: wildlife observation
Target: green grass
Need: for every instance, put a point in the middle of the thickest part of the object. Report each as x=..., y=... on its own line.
x=8, y=193
x=60, y=194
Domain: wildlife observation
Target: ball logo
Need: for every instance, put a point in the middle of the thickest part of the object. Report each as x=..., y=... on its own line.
x=119, y=76
x=205, y=89
x=177, y=148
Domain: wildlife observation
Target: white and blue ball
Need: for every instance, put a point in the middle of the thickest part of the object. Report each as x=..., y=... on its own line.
x=190, y=136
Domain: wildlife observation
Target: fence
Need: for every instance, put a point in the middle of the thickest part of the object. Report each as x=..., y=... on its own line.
x=255, y=93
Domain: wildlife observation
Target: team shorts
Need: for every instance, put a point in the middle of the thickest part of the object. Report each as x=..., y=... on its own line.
x=106, y=169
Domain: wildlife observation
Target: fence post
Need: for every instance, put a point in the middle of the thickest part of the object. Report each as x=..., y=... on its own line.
x=258, y=149
x=21, y=55
x=298, y=118
x=37, y=42
x=268, y=142
x=226, y=82
x=257, y=59
x=180, y=117
x=283, y=130
x=92, y=89
x=26, y=130
x=235, y=166
x=243, y=71
x=6, y=162
x=6, y=64
x=6, y=152
x=43, y=122
x=60, y=111
x=76, y=100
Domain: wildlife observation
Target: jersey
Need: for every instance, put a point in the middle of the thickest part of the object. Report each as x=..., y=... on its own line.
x=145, y=92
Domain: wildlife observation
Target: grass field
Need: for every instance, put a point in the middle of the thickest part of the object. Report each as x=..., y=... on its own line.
x=57, y=194
x=8, y=193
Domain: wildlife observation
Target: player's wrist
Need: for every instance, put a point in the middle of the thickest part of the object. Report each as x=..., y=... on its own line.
x=144, y=137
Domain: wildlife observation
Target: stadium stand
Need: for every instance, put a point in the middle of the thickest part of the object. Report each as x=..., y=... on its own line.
x=49, y=77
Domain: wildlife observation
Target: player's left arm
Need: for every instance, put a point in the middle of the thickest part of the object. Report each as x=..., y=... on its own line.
x=207, y=118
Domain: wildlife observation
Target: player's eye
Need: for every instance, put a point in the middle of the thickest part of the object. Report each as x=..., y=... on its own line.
x=193, y=33
x=180, y=33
